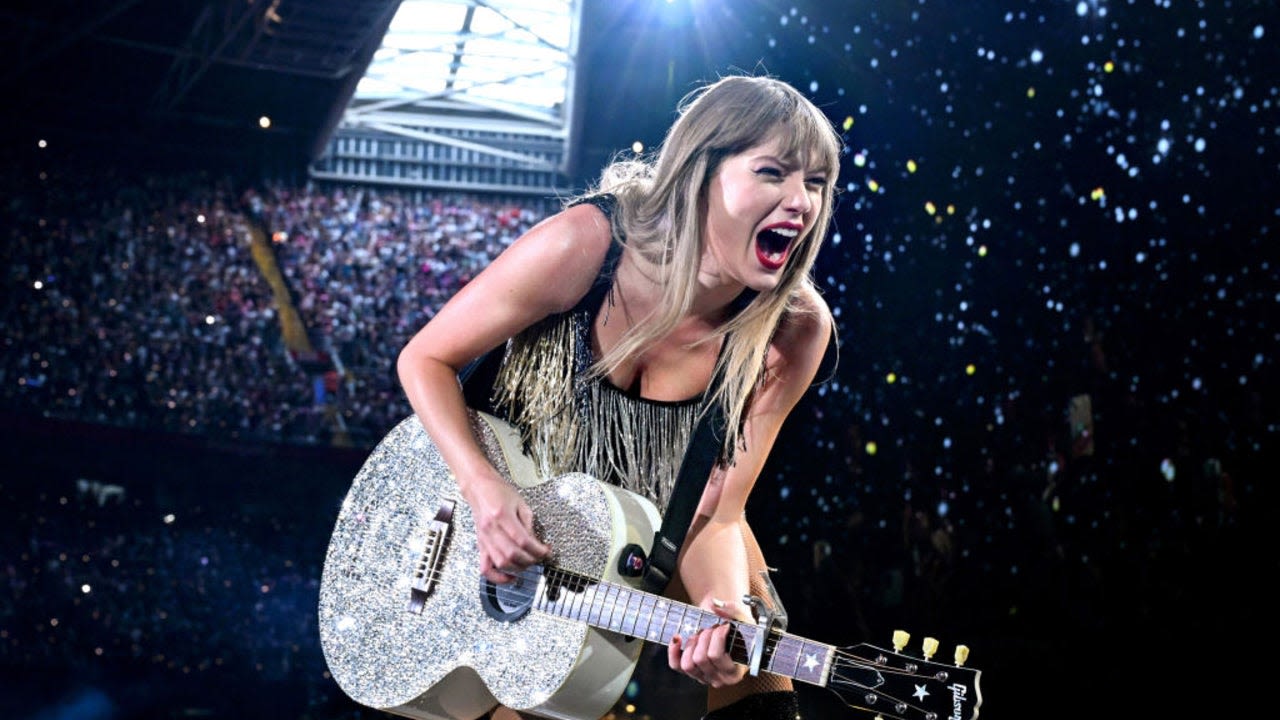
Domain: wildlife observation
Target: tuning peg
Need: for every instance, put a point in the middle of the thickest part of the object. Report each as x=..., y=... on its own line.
x=900, y=639
x=962, y=654
x=930, y=646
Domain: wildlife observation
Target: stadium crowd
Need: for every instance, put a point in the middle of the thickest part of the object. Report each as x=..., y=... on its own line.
x=139, y=302
x=369, y=267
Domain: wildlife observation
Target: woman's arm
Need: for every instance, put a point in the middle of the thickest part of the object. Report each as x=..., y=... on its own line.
x=545, y=271
x=713, y=561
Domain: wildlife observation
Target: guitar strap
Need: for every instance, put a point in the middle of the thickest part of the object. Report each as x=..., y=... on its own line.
x=699, y=459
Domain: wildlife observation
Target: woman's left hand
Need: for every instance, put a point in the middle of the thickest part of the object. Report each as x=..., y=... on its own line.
x=704, y=656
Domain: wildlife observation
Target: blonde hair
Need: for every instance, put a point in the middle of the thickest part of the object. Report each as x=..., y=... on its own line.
x=662, y=203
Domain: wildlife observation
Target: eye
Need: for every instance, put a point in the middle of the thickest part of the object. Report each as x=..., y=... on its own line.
x=818, y=181
x=770, y=171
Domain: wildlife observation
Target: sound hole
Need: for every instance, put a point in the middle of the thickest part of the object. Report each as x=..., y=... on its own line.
x=508, y=602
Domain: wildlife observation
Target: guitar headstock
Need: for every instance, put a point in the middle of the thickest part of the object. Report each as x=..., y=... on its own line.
x=897, y=685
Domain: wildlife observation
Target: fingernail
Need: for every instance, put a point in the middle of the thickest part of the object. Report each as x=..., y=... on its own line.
x=717, y=603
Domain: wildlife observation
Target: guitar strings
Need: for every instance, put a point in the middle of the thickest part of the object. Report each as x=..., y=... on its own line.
x=529, y=590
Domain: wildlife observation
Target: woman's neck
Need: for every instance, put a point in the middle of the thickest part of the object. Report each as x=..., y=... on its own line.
x=637, y=281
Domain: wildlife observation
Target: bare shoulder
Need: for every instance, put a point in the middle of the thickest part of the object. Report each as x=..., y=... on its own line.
x=583, y=228
x=806, y=327
x=557, y=259
x=798, y=347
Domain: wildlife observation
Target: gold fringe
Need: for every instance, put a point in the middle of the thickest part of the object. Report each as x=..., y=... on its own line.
x=571, y=424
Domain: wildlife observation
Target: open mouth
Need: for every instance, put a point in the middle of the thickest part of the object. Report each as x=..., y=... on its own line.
x=772, y=245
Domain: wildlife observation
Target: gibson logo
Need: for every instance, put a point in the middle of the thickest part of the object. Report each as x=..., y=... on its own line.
x=958, y=695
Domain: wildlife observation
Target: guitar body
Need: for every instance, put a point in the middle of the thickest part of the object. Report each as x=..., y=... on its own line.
x=408, y=625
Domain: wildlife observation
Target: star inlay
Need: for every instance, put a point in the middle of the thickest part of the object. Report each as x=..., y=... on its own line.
x=920, y=692
x=810, y=661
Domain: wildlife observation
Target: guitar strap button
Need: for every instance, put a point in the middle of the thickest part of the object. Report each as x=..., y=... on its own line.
x=632, y=560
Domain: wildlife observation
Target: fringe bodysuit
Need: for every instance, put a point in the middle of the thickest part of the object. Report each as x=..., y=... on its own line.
x=572, y=422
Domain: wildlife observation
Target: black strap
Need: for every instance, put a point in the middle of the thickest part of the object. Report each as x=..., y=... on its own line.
x=705, y=446
x=695, y=468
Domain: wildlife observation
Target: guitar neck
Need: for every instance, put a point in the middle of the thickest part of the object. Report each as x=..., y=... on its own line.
x=656, y=619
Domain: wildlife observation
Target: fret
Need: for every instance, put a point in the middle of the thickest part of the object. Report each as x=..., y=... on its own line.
x=813, y=661
x=604, y=599
x=785, y=657
x=709, y=619
x=670, y=626
x=744, y=633
x=681, y=623
x=591, y=599
x=626, y=611
x=625, y=592
x=616, y=617
x=600, y=596
x=599, y=616
x=661, y=635
x=651, y=604
x=796, y=645
x=686, y=627
x=644, y=614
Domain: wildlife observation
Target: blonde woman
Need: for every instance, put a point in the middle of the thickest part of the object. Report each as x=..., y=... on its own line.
x=617, y=312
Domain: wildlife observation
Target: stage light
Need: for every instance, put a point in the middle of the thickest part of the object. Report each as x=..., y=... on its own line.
x=264, y=122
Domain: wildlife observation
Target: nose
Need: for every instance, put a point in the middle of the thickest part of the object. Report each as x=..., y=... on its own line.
x=798, y=198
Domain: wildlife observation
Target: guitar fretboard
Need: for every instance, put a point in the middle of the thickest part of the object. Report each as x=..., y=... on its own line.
x=656, y=619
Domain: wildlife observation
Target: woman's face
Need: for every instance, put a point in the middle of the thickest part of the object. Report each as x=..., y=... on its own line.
x=759, y=205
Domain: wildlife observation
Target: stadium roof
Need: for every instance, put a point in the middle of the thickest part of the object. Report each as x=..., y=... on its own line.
x=514, y=54
x=188, y=75
x=495, y=66
x=193, y=78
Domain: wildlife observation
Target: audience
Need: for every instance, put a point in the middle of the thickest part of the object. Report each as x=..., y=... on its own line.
x=142, y=305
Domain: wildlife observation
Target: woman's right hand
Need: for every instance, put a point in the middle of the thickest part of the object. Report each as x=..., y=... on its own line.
x=504, y=529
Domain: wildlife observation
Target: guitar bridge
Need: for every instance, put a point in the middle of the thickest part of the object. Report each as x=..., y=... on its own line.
x=427, y=568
